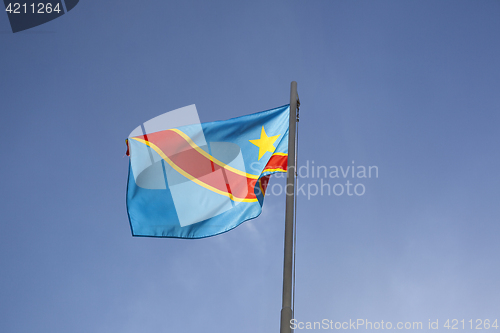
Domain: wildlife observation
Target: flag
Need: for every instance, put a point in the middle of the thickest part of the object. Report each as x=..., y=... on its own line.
x=192, y=180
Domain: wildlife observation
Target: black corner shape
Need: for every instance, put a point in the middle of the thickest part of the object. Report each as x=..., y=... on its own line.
x=70, y=4
x=26, y=14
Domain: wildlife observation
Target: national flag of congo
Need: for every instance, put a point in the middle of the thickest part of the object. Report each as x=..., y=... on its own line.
x=193, y=180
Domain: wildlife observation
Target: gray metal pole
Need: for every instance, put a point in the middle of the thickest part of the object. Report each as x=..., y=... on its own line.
x=286, y=309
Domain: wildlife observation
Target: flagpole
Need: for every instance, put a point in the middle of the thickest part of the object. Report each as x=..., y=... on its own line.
x=286, y=309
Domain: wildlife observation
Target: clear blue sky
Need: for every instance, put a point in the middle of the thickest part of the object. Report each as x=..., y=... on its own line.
x=411, y=87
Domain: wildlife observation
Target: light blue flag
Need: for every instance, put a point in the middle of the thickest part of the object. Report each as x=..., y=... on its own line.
x=192, y=180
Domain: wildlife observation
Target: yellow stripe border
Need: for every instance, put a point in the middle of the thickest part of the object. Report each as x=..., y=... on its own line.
x=188, y=176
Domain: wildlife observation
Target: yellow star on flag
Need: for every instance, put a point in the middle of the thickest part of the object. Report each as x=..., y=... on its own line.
x=265, y=143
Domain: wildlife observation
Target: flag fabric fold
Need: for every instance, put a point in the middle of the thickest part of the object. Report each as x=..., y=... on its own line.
x=192, y=180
